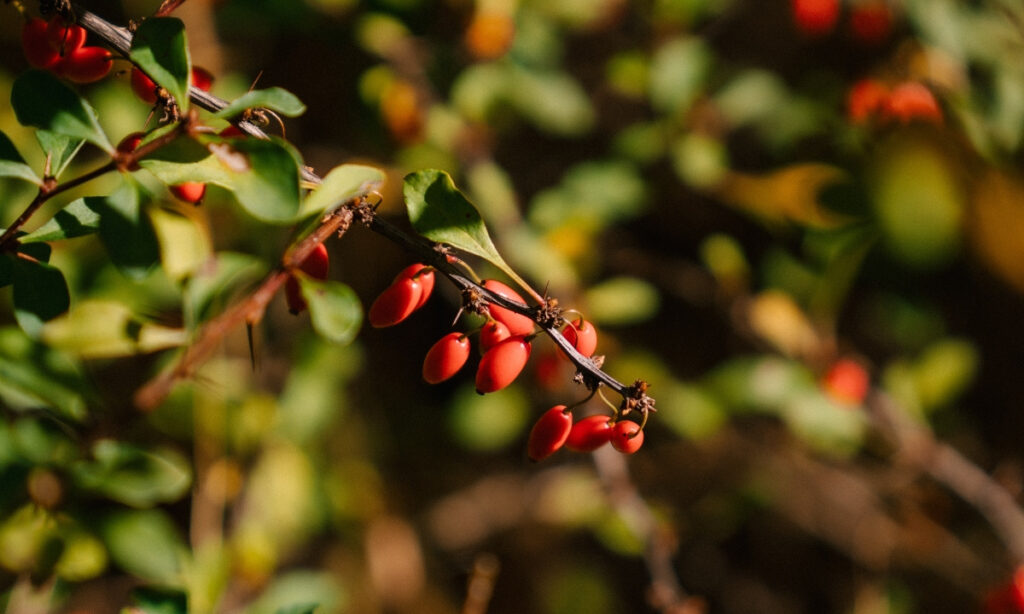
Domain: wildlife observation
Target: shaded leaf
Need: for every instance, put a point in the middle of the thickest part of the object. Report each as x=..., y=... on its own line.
x=61, y=149
x=334, y=308
x=74, y=220
x=12, y=164
x=134, y=476
x=40, y=294
x=42, y=100
x=33, y=375
x=216, y=282
x=161, y=50
x=276, y=99
x=152, y=600
x=125, y=231
x=38, y=251
x=145, y=543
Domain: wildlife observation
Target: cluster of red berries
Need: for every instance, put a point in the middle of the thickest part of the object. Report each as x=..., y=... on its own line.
x=871, y=100
x=506, y=343
x=870, y=20
x=60, y=47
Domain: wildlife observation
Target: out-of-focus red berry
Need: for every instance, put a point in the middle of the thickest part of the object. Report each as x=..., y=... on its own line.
x=815, y=17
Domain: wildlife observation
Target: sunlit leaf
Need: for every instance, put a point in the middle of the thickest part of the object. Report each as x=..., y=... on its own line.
x=33, y=375
x=340, y=185
x=276, y=99
x=268, y=185
x=216, y=282
x=184, y=244
x=334, y=308
x=161, y=50
x=622, y=300
x=61, y=149
x=76, y=219
x=42, y=100
x=103, y=328
x=12, y=164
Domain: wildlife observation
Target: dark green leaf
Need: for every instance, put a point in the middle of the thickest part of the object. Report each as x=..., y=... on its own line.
x=40, y=294
x=440, y=212
x=39, y=251
x=267, y=186
x=301, y=608
x=74, y=220
x=276, y=99
x=145, y=543
x=134, y=476
x=12, y=164
x=61, y=149
x=125, y=231
x=334, y=309
x=150, y=600
x=161, y=50
x=42, y=100
x=33, y=376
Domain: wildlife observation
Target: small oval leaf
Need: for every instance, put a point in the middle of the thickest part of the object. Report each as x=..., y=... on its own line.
x=276, y=99
x=160, y=49
x=334, y=308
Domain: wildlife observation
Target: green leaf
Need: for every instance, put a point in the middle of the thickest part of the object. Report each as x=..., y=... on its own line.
x=341, y=184
x=145, y=543
x=42, y=100
x=184, y=244
x=40, y=294
x=12, y=164
x=33, y=375
x=276, y=99
x=268, y=184
x=134, y=476
x=61, y=149
x=103, y=329
x=160, y=49
x=152, y=600
x=216, y=282
x=38, y=251
x=125, y=231
x=74, y=220
x=440, y=212
x=620, y=301
x=334, y=308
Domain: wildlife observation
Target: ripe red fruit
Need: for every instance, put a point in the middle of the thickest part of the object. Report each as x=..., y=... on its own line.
x=493, y=333
x=626, y=436
x=501, y=364
x=201, y=78
x=36, y=45
x=85, y=65
x=144, y=87
x=129, y=144
x=396, y=303
x=589, y=434
x=517, y=323
x=423, y=274
x=871, y=21
x=190, y=191
x=64, y=37
x=230, y=132
x=549, y=433
x=582, y=335
x=846, y=382
x=910, y=101
x=815, y=17
x=316, y=265
x=866, y=97
x=446, y=357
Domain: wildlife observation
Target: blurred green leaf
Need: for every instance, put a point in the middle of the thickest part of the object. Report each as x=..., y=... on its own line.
x=301, y=592
x=267, y=182
x=27, y=538
x=146, y=544
x=83, y=558
x=33, y=375
x=334, y=308
x=314, y=393
x=552, y=101
x=61, y=149
x=133, y=476
x=38, y=251
x=944, y=371
x=216, y=282
x=42, y=100
x=125, y=231
x=161, y=50
x=490, y=422
x=12, y=164
x=622, y=300
x=153, y=600
x=40, y=294
x=678, y=73
x=105, y=328
x=184, y=244
x=340, y=185
x=76, y=219
x=275, y=99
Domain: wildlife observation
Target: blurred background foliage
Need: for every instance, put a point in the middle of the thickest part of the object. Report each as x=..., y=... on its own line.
x=695, y=177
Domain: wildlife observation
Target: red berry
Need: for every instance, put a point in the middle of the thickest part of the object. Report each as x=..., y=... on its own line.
x=36, y=45
x=871, y=21
x=589, y=434
x=500, y=366
x=446, y=357
x=517, y=323
x=582, y=335
x=493, y=333
x=423, y=274
x=317, y=263
x=85, y=65
x=865, y=98
x=190, y=191
x=293, y=296
x=549, y=433
x=231, y=131
x=846, y=382
x=129, y=144
x=626, y=436
x=144, y=87
x=396, y=303
x=63, y=37
x=815, y=17
x=202, y=79
x=910, y=101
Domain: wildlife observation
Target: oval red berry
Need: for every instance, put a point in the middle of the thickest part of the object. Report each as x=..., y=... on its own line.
x=143, y=86
x=502, y=364
x=425, y=277
x=517, y=323
x=202, y=79
x=589, y=434
x=627, y=437
x=493, y=333
x=64, y=38
x=396, y=303
x=36, y=45
x=317, y=264
x=190, y=191
x=549, y=433
x=293, y=296
x=446, y=357
x=582, y=335
x=85, y=65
